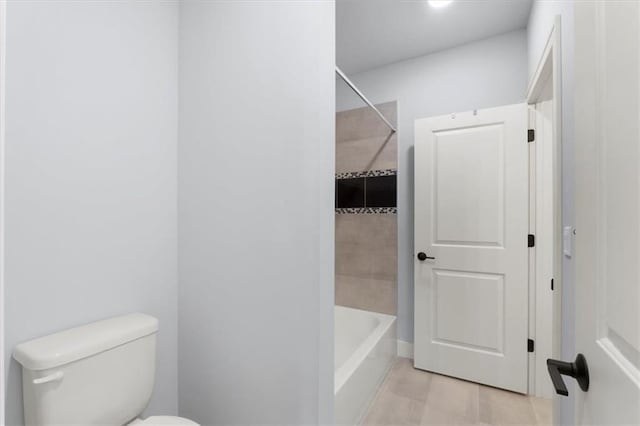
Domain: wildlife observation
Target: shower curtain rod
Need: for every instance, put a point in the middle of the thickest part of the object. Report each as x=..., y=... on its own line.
x=363, y=97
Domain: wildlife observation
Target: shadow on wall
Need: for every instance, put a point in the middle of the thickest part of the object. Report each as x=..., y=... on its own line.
x=13, y=399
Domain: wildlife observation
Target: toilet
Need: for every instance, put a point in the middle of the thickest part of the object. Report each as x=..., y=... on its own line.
x=99, y=373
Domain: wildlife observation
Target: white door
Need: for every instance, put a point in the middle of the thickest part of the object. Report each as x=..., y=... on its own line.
x=471, y=216
x=608, y=210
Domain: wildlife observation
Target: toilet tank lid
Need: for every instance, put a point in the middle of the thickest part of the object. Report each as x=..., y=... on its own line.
x=71, y=345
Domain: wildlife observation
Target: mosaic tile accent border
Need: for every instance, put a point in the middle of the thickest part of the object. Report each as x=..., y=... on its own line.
x=368, y=210
x=366, y=173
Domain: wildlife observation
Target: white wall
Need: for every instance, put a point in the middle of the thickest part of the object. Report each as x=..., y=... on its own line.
x=256, y=162
x=541, y=20
x=482, y=74
x=91, y=141
x=3, y=51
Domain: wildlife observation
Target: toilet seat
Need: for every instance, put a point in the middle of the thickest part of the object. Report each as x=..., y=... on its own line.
x=166, y=420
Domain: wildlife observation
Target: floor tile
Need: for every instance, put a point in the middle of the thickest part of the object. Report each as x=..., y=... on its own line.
x=405, y=381
x=391, y=409
x=543, y=409
x=451, y=401
x=500, y=407
x=414, y=397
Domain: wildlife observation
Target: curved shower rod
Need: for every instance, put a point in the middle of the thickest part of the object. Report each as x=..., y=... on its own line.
x=363, y=97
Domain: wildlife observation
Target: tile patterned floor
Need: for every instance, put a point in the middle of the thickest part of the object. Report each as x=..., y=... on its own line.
x=414, y=397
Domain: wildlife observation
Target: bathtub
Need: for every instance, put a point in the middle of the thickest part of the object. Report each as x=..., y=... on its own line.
x=365, y=347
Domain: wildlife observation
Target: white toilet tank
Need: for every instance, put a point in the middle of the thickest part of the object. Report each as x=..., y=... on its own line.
x=99, y=373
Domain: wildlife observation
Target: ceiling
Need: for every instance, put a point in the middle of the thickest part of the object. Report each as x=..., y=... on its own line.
x=371, y=33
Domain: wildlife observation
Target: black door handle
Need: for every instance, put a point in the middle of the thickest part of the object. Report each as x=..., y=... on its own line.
x=423, y=256
x=576, y=369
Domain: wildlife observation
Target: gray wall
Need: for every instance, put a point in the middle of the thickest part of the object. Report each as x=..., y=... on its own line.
x=91, y=140
x=541, y=20
x=256, y=218
x=482, y=74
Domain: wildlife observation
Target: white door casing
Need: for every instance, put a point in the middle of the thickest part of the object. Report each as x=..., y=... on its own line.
x=471, y=214
x=607, y=113
x=545, y=219
x=543, y=267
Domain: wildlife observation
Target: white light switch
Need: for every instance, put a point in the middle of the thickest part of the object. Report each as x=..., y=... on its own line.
x=567, y=234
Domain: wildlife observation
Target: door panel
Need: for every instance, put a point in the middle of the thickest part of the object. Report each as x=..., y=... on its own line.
x=608, y=210
x=469, y=186
x=481, y=298
x=471, y=214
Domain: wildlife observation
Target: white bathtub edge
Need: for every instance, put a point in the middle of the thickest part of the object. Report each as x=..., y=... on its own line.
x=367, y=406
x=358, y=381
x=356, y=359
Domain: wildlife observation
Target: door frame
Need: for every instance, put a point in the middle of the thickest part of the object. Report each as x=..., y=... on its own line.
x=549, y=68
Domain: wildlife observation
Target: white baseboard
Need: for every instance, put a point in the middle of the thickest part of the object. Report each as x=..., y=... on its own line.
x=405, y=349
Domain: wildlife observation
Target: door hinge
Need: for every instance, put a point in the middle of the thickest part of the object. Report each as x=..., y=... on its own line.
x=551, y=284
x=531, y=240
x=530, y=345
x=531, y=135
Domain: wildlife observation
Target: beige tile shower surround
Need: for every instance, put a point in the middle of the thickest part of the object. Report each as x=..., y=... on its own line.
x=364, y=142
x=366, y=244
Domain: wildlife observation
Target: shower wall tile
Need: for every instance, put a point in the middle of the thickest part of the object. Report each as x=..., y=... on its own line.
x=371, y=191
x=366, y=261
x=363, y=123
x=370, y=230
x=350, y=193
x=380, y=152
x=367, y=210
x=367, y=242
x=353, y=259
x=370, y=173
x=367, y=294
x=364, y=142
x=381, y=191
x=384, y=263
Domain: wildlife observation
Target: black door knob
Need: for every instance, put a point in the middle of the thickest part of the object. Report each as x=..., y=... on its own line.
x=576, y=369
x=423, y=256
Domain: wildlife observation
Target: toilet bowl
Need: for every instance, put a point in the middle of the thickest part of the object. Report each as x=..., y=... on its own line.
x=99, y=373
